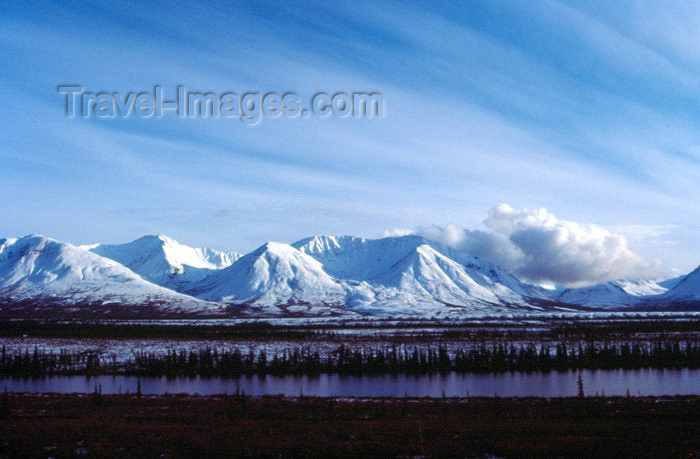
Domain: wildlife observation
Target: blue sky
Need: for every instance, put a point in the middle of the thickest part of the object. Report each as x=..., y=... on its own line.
x=588, y=109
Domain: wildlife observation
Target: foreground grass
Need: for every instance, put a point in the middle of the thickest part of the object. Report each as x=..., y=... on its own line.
x=183, y=426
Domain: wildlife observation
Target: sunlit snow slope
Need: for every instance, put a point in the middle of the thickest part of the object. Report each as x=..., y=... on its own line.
x=410, y=274
x=166, y=262
x=36, y=267
x=321, y=275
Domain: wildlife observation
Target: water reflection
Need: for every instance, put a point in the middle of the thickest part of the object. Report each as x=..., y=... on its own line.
x=551, y=384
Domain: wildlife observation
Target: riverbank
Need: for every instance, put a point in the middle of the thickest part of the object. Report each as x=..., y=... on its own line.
x=183, y=426
x=33, y=349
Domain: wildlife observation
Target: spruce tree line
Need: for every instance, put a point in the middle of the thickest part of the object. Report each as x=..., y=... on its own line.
x=356, y=360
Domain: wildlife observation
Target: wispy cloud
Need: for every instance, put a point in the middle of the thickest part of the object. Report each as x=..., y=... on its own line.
x=584, y=109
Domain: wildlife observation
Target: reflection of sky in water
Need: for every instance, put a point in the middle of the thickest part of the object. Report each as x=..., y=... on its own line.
x=612, y=382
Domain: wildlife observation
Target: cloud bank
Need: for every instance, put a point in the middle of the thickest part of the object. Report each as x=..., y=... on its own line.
x=539, y=247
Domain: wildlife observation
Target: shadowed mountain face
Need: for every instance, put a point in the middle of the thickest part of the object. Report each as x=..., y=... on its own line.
x=683, y=291
x=321, y=275
x=614, y=294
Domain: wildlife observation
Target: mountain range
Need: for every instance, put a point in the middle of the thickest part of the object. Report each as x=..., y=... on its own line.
x=403, y=276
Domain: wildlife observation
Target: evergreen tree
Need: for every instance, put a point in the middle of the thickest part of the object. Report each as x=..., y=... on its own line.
x=579, y=383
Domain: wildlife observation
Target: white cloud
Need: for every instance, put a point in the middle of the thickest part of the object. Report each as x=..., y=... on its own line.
x=483, y=244
x=396, y=232
x=539, y=247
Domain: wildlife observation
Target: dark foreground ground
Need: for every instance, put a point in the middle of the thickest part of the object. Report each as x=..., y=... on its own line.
x=180, y=426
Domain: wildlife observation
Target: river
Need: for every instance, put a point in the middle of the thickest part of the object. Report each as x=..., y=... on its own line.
x=453, y=384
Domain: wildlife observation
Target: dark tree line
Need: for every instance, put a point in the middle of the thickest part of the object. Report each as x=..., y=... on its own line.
x=353, y=360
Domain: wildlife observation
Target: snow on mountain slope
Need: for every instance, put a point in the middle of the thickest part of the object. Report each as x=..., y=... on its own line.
x=685, y=290
x=668, y=284
x=35, y=267
x=274, y=274
x=412, y=275
x=425, y=282
x=321, y=275
x=355, y=258
x=396, y=276
x=615, y=294
x=166, y=262
x=349, y=257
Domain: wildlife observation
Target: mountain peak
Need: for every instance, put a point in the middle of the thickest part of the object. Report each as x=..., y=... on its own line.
x=686, y=289
x=402, y=275
x=38, y=267
x=154, y=239
x=274, y=274
x=165, y=261
x=275, y=246
x=613, y=294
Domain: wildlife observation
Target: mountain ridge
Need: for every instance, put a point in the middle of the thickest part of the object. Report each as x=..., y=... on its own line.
x=164, y=261
x=37, y=267
x=319, y=275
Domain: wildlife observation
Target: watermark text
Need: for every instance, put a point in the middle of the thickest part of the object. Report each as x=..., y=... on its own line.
x=248, y=107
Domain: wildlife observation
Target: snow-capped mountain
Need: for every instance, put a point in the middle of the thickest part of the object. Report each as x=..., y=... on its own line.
x=405, y=275
x=39, y=268
x=166, y=262
x=631, y=293
x=321, y=275
x=273, y=274
x=683, y=291
x=620, y=293
x=412, y=275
